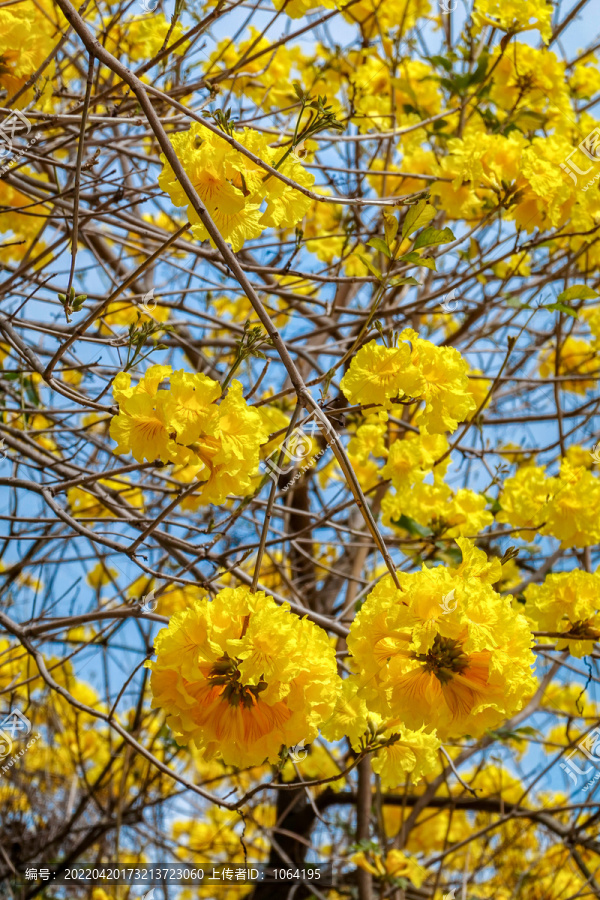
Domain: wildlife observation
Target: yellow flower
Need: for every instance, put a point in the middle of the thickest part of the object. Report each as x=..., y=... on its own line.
x=377, y=18
x=232, y=187
x=419, y=369
x=443, y=651
x=26, y=40
x=242, y=677
x=143, y=37
x=410, y=753
x=295, y=9
x=447, y=394
x=269, y=86
x=567, y=602
x=218, y=445
x=396, y=864
x=515, y=15
x=577, y=357
x=101, y=575
x=572, y=513
x=378, y=374
x=530, y=81
x=522, y=499
x=410, y=459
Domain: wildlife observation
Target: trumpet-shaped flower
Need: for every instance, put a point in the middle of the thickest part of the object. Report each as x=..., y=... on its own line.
x=444, y=650
x=242, y=677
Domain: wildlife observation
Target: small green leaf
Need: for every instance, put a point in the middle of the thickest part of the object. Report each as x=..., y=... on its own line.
x=390, y=225
x=395, y=282
x=379, y=244
x=561, y=307
x=515, y=303
x=413, y=528
x=371, y=266
x=418, y=216
x=431, y=236
x=441, y=61
x=577, y=292
x=427, y=262
x=411, y=257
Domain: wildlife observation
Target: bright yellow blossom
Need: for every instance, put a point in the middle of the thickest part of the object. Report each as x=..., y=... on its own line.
x=567, y=602
x=233, y=187
x=242, y=677
x=444, y=650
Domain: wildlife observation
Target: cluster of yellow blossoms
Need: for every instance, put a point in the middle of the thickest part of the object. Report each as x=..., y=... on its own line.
x=217, y=443
x=444, y=650
x=416, y=370
x=441, y=656
x=232, y=187
x=243, y=677
x=565, y=507
x=567, y=603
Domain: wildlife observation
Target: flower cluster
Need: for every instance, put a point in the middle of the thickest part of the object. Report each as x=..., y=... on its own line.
x=566, y=507
x=232, y=187
x=243, y=677
x=416, y=369
x=218, y=442
x=568, y=603
x=443, y=651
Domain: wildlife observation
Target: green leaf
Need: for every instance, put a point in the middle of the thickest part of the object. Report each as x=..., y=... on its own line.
x=390, y=225
x=417, y=216
x=395, y=282
x=431, y=236
x=480, y=72
x=577, y=292
x=370, y=266
x=428, y=262
x=441, y=61
x=379, y=244
x=411, y=257
x=413, y=528
x=560, y=307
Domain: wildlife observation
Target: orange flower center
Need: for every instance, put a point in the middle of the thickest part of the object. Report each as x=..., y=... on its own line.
x=225, y=674
x=445, y=659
